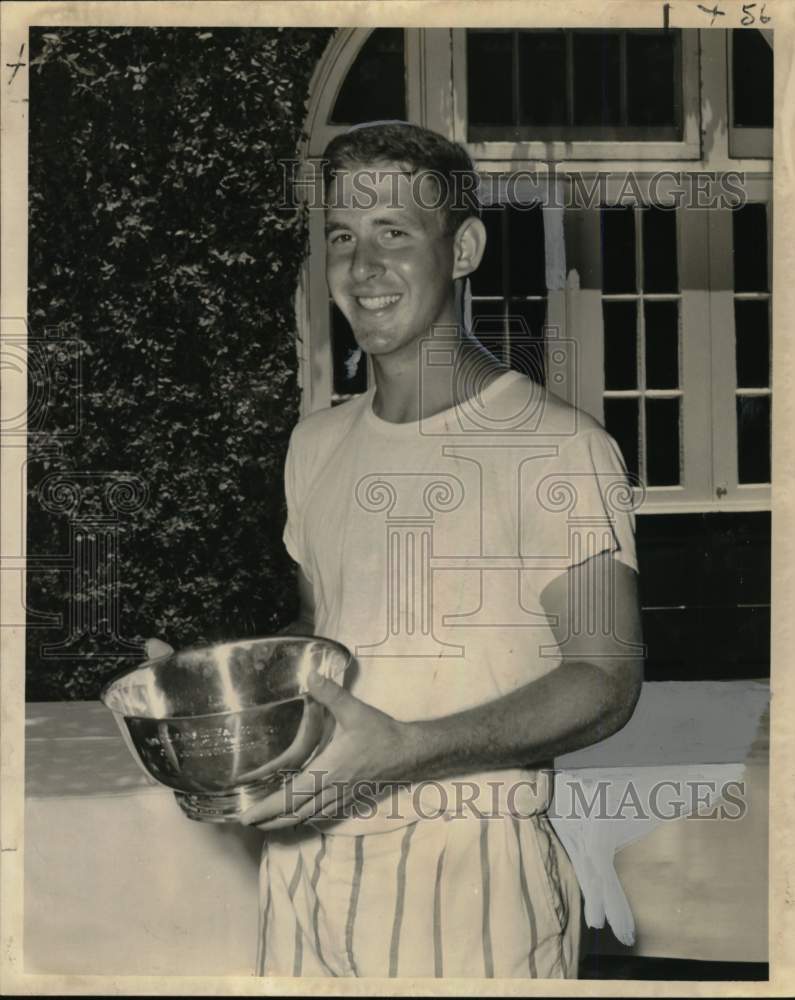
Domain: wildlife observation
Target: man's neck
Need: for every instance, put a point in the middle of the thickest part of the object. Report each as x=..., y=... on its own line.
x=410, y=389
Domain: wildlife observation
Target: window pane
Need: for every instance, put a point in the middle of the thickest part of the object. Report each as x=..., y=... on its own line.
x=597, y=78
x=621, y=345
x=348, y=360
x=488, y=325
x=621, y=420
x=542, y=77
x=490, y=78
x=662, y=442
x=375, y=86
x=750, y=248
x=753, y=439
x=751, y=324
x=488, y=279
x=662, y=345
x=652, y=87
x=618, y=250
x=526, y=251
x=752, y=79
x=526, y=333
x=660, y=271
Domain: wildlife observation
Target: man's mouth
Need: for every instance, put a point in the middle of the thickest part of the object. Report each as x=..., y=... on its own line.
x=373, y=302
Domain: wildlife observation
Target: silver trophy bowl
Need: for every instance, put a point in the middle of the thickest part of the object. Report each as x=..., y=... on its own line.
x=220, y=725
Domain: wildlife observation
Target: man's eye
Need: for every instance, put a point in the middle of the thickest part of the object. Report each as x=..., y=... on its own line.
x=394, y=233
x=337, y=238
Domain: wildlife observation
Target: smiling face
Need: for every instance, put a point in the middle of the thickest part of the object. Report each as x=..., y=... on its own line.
x=390, y=264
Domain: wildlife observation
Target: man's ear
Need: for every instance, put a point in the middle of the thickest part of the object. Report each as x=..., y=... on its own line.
x=469, y=245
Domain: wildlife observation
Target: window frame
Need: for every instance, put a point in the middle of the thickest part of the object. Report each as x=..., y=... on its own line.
x=331, y=71
x=686, y=148
x=578, y=132
x=737, y=496
x=359, y=50
x=707, y=362
x=744, y=141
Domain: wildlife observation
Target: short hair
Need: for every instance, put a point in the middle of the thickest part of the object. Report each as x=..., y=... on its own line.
x=417, y=149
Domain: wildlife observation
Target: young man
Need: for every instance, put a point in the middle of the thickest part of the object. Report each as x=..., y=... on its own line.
x=453, y=528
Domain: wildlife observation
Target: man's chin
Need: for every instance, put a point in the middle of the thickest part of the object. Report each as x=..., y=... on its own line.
x=376, y=342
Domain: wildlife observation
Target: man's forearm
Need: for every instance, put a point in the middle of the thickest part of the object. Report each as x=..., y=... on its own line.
x=574, y=706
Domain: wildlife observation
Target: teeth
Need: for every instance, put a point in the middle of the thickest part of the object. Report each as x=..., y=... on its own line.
x=377, y=302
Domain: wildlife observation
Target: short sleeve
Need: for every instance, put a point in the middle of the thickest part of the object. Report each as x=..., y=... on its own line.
x=292, y=529
x=579, y=505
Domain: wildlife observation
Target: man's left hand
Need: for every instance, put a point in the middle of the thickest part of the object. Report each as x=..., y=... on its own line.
x=367, y=746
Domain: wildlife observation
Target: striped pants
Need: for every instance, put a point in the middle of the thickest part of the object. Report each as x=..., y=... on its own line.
x=440, y=897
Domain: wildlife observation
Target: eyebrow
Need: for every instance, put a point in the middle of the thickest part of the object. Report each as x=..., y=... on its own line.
x=395, y=223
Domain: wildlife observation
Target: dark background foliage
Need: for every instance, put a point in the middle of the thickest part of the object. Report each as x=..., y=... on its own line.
x=158, y=249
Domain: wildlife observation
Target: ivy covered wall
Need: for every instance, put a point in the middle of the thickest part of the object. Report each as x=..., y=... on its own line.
x=161, y=249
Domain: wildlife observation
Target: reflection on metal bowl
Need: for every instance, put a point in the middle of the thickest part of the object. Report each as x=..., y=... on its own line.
x=221, y=724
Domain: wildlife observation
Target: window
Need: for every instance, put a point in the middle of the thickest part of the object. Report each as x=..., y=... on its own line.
x=595, y=94
x=752, y=346
x=640, y=309
x=750, y=60
x=508, y=303
x=366, y=74
x=672, y=333
x=554, y=84
x=752, y=80
x=349, y=365
x=375, y=86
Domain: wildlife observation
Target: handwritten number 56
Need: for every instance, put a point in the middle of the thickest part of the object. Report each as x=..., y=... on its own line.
x=748, y=18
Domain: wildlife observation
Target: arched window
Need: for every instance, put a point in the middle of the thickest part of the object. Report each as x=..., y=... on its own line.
x=375, y=86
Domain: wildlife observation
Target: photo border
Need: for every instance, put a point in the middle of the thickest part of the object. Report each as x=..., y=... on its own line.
x=16, y=18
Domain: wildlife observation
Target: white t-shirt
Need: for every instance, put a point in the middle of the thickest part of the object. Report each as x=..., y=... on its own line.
x=428, y=545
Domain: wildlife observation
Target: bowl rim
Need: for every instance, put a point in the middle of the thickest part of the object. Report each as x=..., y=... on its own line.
x=121, y=674
x=209, y=715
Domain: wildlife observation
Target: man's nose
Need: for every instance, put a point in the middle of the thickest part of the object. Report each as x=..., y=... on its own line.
x=366, y=262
